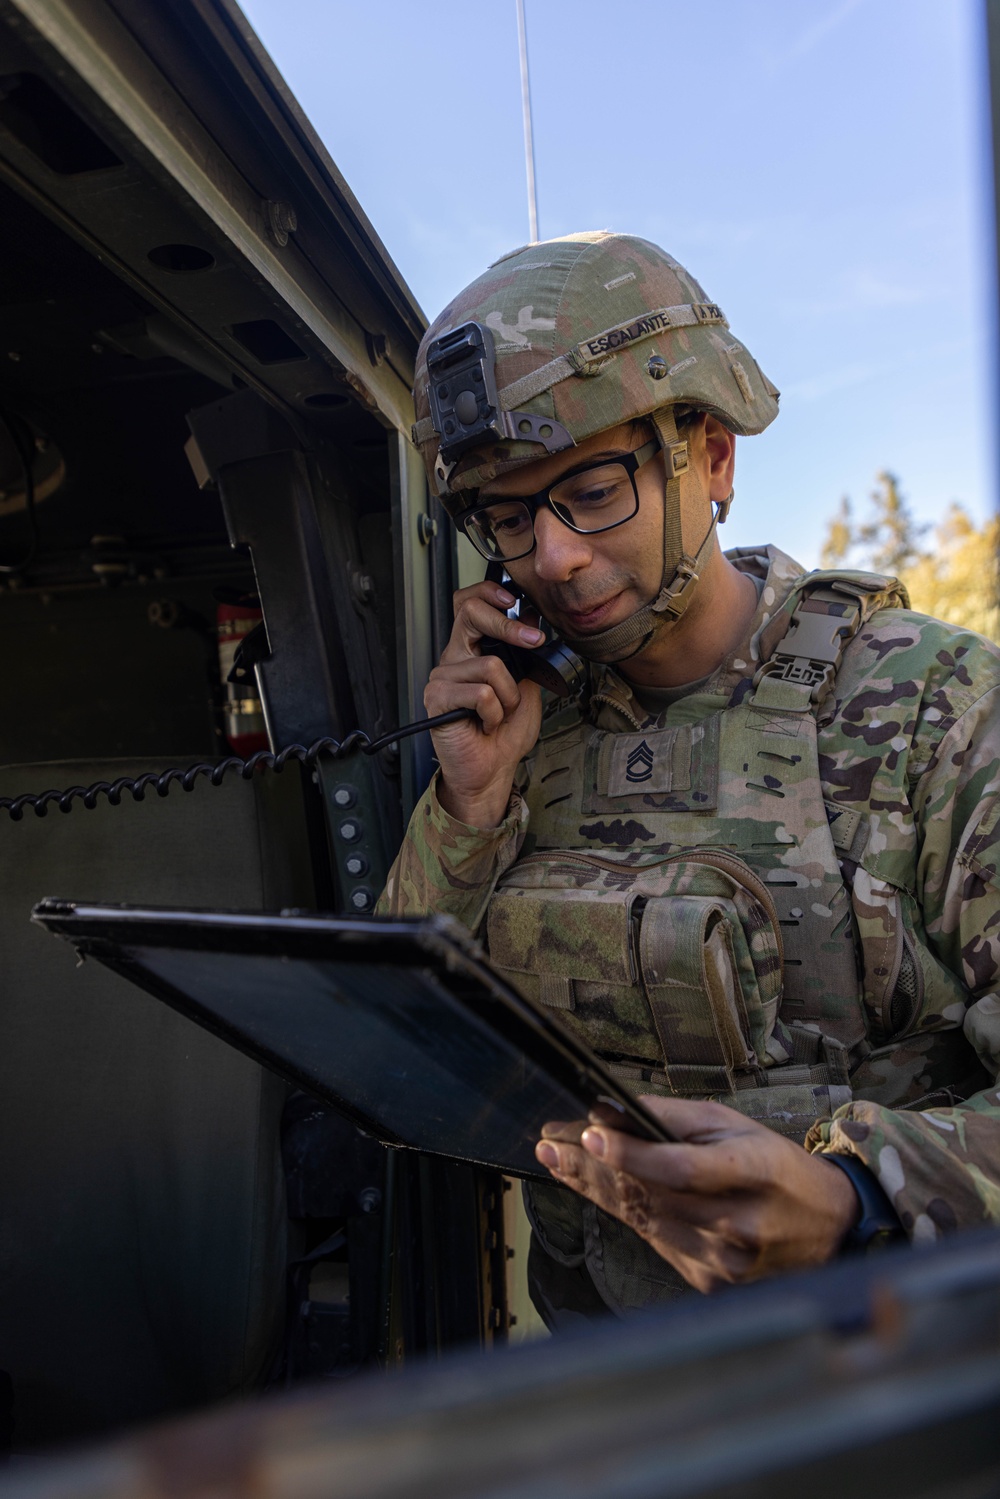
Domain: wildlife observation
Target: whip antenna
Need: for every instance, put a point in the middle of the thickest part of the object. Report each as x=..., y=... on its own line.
x=529, y=139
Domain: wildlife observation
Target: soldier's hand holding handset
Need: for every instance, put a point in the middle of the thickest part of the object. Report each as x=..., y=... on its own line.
x=478, y=757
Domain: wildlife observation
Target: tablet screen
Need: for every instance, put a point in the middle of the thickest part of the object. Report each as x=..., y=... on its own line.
x=397, y=1025
x=393, y=1044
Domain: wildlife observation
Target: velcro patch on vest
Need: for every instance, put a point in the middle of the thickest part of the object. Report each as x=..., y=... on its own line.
x=673, y=769
x=648, y=762
x=579, y=935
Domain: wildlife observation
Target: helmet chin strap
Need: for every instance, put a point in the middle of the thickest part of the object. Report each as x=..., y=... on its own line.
x=679, y=578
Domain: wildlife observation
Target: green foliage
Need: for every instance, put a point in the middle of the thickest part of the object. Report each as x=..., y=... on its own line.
x=958, y=580
x=839, y=537
x=892, y=536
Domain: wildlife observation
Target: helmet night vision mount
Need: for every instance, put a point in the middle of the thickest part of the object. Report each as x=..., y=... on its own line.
x=465, y=404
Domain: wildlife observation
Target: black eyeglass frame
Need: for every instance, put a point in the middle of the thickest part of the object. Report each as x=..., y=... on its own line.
x=631, y=461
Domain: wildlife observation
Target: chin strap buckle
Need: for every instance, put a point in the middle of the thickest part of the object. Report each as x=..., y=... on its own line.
x=674, y=599
x=675, y=456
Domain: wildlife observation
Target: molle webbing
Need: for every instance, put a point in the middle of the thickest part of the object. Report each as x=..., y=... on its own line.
x=697, y=932
x=686, y=1006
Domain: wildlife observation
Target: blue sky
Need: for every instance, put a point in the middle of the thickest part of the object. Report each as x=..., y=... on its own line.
x=822, y=166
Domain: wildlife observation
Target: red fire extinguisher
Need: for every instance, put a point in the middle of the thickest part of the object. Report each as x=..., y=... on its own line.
x=242, y=711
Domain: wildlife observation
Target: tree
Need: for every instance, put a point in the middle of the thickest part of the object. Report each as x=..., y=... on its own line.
x=959, y=581
x=892, y=535
x=839, y=537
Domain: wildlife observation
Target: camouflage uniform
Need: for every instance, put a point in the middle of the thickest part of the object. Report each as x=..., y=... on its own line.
x=909, y=756
x=781, y=892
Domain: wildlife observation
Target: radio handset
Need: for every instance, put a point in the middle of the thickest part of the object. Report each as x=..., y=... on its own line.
x=552, y=665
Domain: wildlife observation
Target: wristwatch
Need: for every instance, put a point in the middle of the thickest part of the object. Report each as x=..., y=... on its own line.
x=878, y=1222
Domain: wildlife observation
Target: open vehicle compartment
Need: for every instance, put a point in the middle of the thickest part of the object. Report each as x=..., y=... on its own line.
x=205, y=359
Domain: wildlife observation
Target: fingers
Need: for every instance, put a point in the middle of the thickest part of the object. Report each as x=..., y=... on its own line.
x=711, y=1240
x=698, y=1119
x=482, y=683
x=466, y=679
x=478, y=696
x=616, y=1192
x=718, y=1167
x=730, y=1201
x=677, y=1224
x=635, y=1199
x=562, y=1130
x=710, y=1169
x=481, y=611
x=718, y=1150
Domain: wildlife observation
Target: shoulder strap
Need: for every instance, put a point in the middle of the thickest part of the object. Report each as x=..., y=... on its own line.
x=802, y=646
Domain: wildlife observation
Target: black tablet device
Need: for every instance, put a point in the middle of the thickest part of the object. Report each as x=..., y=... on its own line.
x=400, y=1024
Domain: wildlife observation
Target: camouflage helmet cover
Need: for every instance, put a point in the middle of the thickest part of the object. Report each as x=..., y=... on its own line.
x=590, y=331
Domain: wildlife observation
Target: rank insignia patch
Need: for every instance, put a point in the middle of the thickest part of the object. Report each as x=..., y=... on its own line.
x=636, y=764
x=639, y=764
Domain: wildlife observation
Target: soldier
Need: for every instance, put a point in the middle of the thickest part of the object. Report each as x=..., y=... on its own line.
x=755, y=864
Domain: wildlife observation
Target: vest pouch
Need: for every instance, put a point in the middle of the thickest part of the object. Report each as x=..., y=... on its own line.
x=574, y=950
x=670, y=970
x=689, y=969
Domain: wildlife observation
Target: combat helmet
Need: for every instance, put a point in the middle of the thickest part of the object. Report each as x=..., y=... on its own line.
x=566, y=338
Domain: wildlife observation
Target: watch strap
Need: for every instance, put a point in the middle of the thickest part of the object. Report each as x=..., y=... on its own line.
x=878, y=1222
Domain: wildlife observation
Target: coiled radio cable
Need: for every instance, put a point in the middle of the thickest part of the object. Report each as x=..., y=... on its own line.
x=161, y=782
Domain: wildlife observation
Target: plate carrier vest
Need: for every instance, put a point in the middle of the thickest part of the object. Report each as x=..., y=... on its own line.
x=681, y=898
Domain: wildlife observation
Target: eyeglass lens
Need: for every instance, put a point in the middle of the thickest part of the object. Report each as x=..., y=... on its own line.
x=595, y=500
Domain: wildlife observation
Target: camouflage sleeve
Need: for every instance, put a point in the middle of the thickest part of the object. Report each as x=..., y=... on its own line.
x=941, y=1166
x=447, y=867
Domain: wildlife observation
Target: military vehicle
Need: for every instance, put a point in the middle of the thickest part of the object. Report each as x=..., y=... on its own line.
x=204, y=432
x=215, y=536
x=878, y=1381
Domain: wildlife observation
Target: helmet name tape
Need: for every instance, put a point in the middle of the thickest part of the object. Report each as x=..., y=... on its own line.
x=579, y=335
x=613, y=339
x=478, y=348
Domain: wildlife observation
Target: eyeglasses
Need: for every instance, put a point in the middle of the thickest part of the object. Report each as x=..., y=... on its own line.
x=595, y=497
